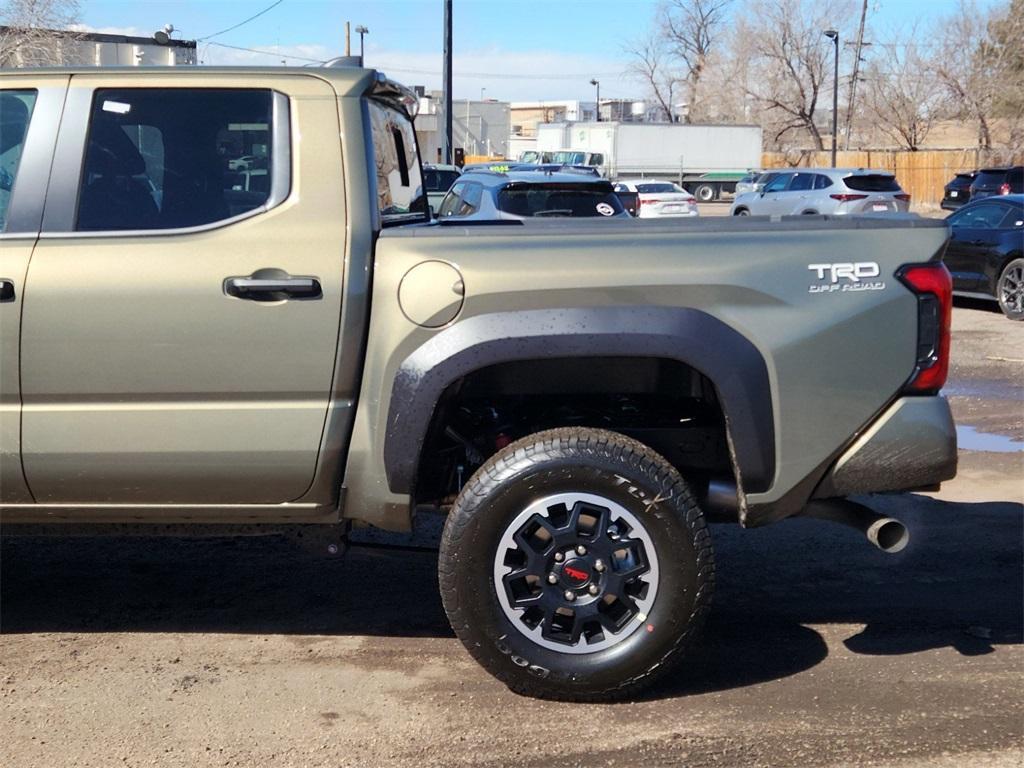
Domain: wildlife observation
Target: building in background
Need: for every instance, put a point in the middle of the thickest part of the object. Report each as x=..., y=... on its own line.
x=479, y=127
x=47, y=47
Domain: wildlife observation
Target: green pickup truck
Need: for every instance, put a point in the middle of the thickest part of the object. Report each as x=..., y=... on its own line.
x=223, y=302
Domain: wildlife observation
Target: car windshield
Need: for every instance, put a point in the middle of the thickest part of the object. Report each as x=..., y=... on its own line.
x=661, y=187
x=437, y=180
x=872, y=182
x=568, y=158
x=556, y=199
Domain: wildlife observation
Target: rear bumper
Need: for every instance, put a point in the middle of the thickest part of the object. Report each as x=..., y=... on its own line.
x=912, y=445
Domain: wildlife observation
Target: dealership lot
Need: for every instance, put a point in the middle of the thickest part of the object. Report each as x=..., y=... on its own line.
x=820, y=650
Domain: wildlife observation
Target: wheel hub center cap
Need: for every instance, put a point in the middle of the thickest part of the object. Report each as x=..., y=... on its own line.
x=576, y=574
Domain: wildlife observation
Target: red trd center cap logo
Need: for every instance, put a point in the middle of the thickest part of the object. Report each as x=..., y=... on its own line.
x=576, y=572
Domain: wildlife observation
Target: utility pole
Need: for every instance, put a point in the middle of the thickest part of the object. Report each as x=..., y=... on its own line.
x=833, y=34
x=597, y=84
x=446, y=141
x=348, y=39
x=856, y=74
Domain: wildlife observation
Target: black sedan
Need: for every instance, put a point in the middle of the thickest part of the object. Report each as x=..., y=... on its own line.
x=958, y=190
x=986, y=252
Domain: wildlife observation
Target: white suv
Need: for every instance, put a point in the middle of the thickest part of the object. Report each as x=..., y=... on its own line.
x=836, y=191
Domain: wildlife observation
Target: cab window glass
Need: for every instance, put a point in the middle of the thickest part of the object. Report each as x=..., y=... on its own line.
x=400, y=192
x=169, y=158
x=15, y=112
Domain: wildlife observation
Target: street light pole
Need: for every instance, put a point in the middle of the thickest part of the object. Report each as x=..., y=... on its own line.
x=361, y=30
x=597, y=84
x=833, y=34
x=446, y=85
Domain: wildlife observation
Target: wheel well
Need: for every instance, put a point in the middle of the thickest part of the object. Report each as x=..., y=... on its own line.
x=741, y=208
x=665, y=404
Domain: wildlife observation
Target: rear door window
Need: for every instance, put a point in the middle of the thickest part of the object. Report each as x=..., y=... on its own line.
x=15, y=113
x=170, y=158
x=801, y=182
x=1014, y=218
x=872, y=182
x=401, y=196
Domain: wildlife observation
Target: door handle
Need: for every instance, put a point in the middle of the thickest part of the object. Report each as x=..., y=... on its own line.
x=257, y=288
x=6, y=289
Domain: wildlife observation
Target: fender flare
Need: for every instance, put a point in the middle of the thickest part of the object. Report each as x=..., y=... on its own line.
x=726, y=357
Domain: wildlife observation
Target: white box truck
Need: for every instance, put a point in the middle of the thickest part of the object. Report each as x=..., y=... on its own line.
x=707, y=160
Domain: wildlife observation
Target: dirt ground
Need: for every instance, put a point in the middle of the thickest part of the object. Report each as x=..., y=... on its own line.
x=820, y=651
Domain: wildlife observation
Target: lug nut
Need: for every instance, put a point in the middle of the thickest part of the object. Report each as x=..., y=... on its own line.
x=592, y=589
x=552, y=579
x=559, y=557
x=599, y=565
x=581, y=550
x=570, y=596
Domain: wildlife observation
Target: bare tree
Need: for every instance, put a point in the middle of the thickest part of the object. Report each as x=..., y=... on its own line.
x=903, y=92
x=651, y=62
x=676, y=52
x=792, y=63
x=26, y=37
x=984, y=47
x=1006, y=30
x=691, y=29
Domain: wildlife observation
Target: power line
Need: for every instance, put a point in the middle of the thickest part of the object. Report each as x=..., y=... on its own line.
x=503, y=75
x=276, y=54
x=242, y=23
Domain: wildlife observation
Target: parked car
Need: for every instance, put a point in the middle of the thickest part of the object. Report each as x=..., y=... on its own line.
x=835, y=191
x=998, y=181
x=571, y=396
x=986, y=251
x=658, y=199
x=754, y=182
x=519, y=195
x=958, y=190
x=437, y=180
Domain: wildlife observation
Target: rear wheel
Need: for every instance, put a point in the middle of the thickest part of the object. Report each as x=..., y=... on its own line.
x=705, y=193
x=1010, y=290
x=576, y=565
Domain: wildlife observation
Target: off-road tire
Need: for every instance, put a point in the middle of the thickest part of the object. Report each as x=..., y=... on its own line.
x=622, y=471
x=1008, y=289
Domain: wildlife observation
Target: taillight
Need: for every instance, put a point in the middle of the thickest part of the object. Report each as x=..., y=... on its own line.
x=904, y=197
x=934, y=289
x=1004, y=189
x=845, y=198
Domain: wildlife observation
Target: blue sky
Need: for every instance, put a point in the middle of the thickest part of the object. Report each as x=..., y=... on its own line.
x=515, y=49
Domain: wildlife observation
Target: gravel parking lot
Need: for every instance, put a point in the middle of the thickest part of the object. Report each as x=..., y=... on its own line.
x=820, y=650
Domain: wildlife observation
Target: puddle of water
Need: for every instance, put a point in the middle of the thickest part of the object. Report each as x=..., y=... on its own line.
x=997, y=390
x=970, y=439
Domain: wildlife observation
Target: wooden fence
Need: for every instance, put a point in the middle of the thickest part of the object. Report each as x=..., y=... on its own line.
x=922, y=174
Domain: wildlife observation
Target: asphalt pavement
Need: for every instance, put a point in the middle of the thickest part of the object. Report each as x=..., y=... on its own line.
x=820, y=650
